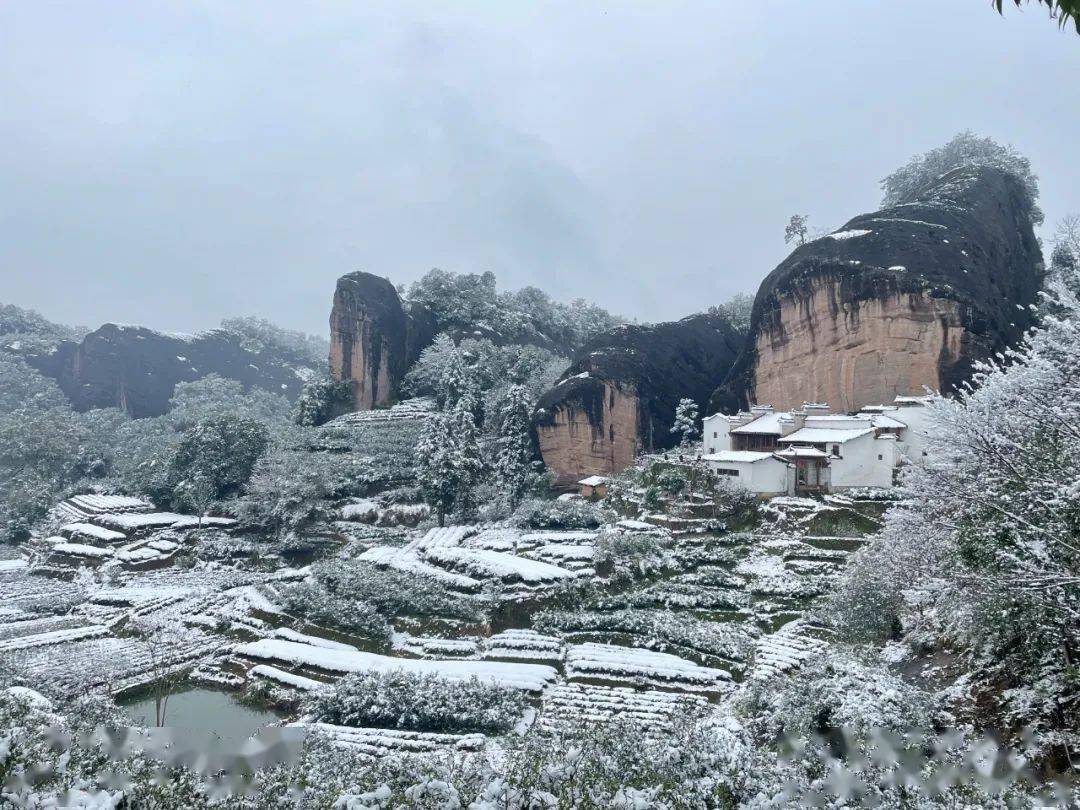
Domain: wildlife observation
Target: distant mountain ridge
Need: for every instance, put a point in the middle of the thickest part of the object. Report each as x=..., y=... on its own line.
x=136, y=369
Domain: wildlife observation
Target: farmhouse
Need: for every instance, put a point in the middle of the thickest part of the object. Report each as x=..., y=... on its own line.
x=811, y=450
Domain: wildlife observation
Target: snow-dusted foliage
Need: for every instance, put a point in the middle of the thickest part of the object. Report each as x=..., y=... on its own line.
x=468, y=301
x=983, y=550
x=419, y=702
x=834, y=690
x=965, y=149
x=541, y=513
x=321, y=400
x=392, y=592
x=686, y=421
x=448, y=461
x=513, y=455
x=315, y=602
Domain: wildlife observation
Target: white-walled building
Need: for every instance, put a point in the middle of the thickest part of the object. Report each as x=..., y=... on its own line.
x=812, y=450
x=759, y=472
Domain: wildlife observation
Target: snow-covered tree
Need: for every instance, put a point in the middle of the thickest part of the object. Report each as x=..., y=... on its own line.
x=448, y=461
x=737, y=310
x=686, y=417
x=321, y=400
x=287, y=492
x=965, y=149
x=984, y=548
x=513, y=455
x=196, y=493
x=468, y=462
x=459, y=387
x=1065, y=257
x=222, y=450
x=795, y=230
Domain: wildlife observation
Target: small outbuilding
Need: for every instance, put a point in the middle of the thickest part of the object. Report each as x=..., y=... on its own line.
x=593, y=487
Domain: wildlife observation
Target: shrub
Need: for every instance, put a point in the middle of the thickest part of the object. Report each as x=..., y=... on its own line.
x=537, y=513
x=735, y=504
x=318, y=604
x=396, y=593
x=632, y=554
x=671, y=481
x=418, y=702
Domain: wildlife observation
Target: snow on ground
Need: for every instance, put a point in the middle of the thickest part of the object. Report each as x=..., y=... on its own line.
x=530, y=677
x=785, y=650
x=79, y=550
x=852, y=234
x=573, y=558
x=406, y=560
x=479, y=563
x=137, y=522
x=92, y=532
x=52, y=637
x=378, y=742
x=524, y=644
x=614, y=663
x=651, y=710
x=314, y=641
x=287, y=678
x=99, y=504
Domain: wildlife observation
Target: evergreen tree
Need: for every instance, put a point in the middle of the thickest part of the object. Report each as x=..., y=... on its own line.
x=467, y=460
x=459, y=386
x=435, y=469
x=222, y=450
x=686, y=414
x=448, y=462
x=321, y=400
x=513, y=458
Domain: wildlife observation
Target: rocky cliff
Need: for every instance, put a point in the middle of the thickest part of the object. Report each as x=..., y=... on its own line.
x=897, y=300
x=375, y=338
x=619, y=395
x=136, y=369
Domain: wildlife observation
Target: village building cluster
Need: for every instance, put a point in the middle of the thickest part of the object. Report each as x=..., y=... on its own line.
x=813, y=450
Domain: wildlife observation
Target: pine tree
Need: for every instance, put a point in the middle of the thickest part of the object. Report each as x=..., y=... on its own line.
x=435, y=469
x=686, y=414
x=459, y=385
x=467, y=460
x=448, y=462
x=513, y=458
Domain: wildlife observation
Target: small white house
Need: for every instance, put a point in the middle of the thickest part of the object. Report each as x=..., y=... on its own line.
x=812, y=450
x=759, y=472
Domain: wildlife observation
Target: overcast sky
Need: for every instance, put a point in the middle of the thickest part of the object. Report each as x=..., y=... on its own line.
x=173, y=163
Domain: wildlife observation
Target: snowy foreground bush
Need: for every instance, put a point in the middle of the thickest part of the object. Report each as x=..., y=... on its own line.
x=418, y=702
x=51, y=758
x=981, y=557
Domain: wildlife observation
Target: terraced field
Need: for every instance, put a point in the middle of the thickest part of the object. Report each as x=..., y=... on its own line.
x=579, y=635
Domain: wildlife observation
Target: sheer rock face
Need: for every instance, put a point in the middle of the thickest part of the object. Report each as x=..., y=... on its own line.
x=374, y=338
x=619, y=396
x=896, y=301
x=136, y=369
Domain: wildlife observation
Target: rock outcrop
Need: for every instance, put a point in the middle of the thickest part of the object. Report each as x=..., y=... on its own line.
x=896, y=301
x=136, y=369
x=619, y=396
x=375, y=337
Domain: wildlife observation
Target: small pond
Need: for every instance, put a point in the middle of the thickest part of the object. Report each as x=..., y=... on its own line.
x=216, y=718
